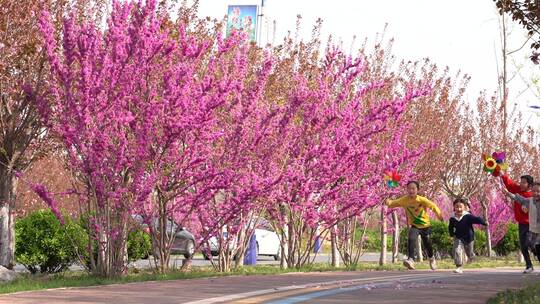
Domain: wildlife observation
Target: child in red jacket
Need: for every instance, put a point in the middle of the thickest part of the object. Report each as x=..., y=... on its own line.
x=522, y=217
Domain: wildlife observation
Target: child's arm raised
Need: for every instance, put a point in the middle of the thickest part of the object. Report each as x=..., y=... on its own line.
x=477, y=220
x=396, y=203
x=507, y=193
x=431, y=205
x=509, y=184
x=523, y=201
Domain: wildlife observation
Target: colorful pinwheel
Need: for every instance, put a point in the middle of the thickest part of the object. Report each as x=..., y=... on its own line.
x=494, y=164
x=392, y=179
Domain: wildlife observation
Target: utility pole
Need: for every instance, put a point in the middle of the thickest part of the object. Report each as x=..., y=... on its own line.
x=259, y=23
x=503, y=82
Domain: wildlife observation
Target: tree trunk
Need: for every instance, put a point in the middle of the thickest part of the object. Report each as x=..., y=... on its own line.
x=335, y=253
x=488, y=235
x=346, y=244
x=291, y=248
x=384, y=236
x=241, y=248
x=103, y=261
x=125, y=258
x=284, y=249
x=488, y=242
x=111, y=249
x=420, y=250
x=8, y=190
x=395, y=238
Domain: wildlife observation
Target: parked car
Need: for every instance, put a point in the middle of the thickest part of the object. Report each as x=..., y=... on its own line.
x=267, y=243
x=184, y=241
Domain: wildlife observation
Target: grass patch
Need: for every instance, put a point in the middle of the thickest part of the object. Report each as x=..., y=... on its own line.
x=27, y=282
x=479, y=262
x=527, y=295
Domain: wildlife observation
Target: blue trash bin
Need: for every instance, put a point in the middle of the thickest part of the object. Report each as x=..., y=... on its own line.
x=250, y=258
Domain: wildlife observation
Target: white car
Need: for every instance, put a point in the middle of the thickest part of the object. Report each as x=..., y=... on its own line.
x=267, y=244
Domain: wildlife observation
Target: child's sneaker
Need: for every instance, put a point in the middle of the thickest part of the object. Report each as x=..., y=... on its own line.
x=458, y=270
x=528, y=270
x=409, y=263
x=432, y=264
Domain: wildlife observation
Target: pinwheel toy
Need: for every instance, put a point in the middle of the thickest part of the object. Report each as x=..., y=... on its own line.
x=392, y=179
x=494, y=164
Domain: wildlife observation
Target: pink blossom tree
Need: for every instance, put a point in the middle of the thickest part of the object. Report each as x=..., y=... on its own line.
x=186, y=128
x=23, y=137
x=182, y=136
x=242, y=156
x=333, y=159
x=151, y=115
x=496, y=211
x=134, y=107
x=89, y=109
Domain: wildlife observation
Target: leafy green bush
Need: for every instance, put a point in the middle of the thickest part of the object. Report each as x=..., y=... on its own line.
x=139, y=245
x=510, y=242
x=480, y=242
x=84, y=222
x=372, y=240
x=442, y=242
x=44, y=244
x=403, y=238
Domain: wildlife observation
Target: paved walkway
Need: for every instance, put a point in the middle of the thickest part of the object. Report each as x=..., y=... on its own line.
x=474, y=286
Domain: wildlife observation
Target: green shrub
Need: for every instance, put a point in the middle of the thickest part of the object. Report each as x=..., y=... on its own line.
x=442, y=242
x=510, y=242
x=480, y=242
x=44, y=244
x=372, y=240
x=139, y=245
x=84, y=222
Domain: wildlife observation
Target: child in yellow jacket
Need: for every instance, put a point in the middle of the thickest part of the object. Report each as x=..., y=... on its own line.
x=415, y=207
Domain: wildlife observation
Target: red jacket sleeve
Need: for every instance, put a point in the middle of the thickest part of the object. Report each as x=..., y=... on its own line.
x=526, y=194
x=510, y=184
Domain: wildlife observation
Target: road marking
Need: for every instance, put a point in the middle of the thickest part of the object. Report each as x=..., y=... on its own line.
x=324, y=287
x=310, y=295
x=238, y=296
x=338, y=290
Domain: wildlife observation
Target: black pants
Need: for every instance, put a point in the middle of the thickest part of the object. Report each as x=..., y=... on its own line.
x=413, y=241
x=524, y=243
x=537, y=249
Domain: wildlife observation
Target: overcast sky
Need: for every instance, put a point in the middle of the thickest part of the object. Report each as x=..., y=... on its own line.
x=461, y=34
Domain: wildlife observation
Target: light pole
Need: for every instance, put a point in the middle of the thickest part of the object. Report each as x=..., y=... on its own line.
x=259, y=23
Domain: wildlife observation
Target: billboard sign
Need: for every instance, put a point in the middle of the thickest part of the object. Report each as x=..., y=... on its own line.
x=243, y=17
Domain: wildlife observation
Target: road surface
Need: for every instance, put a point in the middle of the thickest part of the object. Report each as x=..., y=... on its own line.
x=443, y=286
